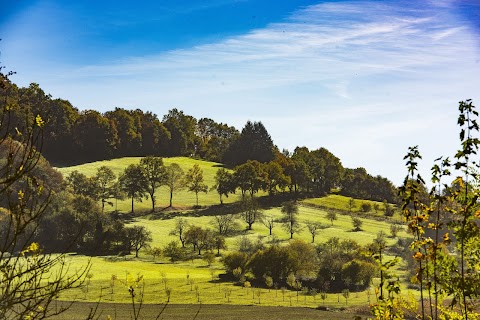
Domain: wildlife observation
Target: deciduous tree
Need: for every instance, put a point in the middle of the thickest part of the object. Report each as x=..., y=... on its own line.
x=138, y=237
x=155, y=174
x=194, y=181
x=174, y=180
x=134, y=183
x=224, y=183
x=290, y=219
x=105, y=179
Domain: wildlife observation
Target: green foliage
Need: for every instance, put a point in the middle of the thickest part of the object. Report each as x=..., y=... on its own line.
x=351, y=204
x=290, y=219
x=254, y=143
x=155, y=175
x=359, y=184
x=174, y=180
x=194, y=181
x=441, y=273
x=250, y=212
x=105, y=182
x=224, y=183
x=235, y=260
x=134, y=183
x=209, y=258
x=173, y=251
x=30, y=280
x=331, y=215
x=357, y=224
x=388, y=209
x=366, y=206
x=138, y=237
x=323, y=169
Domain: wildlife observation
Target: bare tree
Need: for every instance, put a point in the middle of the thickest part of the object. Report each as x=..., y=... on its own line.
x=269, y=222
x=225, y=224
x=180, y=227
x=174, y=179
x=250, y=212
x=314, y=228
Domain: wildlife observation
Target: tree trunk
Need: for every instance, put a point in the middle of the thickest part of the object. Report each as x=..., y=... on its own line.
x=196, y=194
x=270, y=231
x=132, y=204
x=152, y=196
x=291, y=235
x=171, y=197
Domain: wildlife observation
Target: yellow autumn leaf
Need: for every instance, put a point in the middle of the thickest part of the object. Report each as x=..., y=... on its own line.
x=418, y=255
x=39, y=121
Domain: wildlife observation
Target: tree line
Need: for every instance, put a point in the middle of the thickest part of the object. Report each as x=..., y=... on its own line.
x=73, y=136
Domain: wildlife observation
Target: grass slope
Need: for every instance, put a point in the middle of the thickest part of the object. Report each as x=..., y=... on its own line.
x=202, y=285
x=181, y=199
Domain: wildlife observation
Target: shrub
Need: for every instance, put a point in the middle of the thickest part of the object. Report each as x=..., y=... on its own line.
x=366, y=206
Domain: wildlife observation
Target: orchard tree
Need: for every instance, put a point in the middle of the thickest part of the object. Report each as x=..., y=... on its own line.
x=219, y=243
x=290, y=218
x=155, y=174
x=194, y=181
x=174, y=180
x=269, y=222
x=357, y=223
x=351, y=204
x=138, y=237
x=181, y=225
x=173, y=251
x=224, y=223
x=332, y=216
x=314, y=228
x=105, y=179
x=134, y=183
x=250, y=212
x=224, y=183
x=275, y=178
x=80, y=184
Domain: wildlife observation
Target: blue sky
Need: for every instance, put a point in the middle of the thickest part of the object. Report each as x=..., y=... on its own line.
x=365, y=79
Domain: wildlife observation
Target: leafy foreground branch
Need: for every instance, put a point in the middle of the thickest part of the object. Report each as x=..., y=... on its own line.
x=29, y=279
x=446, y=230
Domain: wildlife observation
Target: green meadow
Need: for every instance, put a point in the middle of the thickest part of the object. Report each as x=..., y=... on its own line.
x=194, y=281
x=183, y=199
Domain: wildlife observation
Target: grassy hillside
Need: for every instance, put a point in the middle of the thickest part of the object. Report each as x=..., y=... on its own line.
x=181, y=199
x=341, y=203
x=202, y=283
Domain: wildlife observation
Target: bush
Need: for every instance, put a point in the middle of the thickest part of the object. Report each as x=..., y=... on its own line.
x=366, y=206
x=357, y=224
x=209, y=258
x=235, y=260
x=173, y=251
